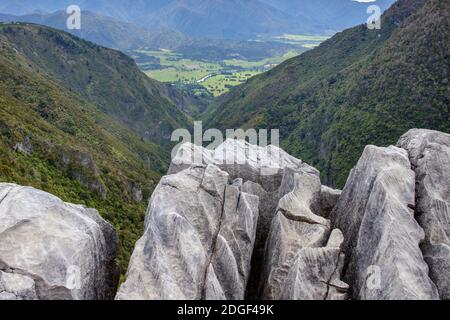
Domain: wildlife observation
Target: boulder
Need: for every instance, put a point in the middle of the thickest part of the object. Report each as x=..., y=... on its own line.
x=53, y=250
x=429, y=152
x=381, y=235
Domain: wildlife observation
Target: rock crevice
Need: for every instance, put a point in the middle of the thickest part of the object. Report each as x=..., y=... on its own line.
x=247, y=222
x=258, y=193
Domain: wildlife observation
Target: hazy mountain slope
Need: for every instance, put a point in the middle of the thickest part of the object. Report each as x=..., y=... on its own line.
x=20, y=7
x=55, y=140
x=360, y=87
x=106, y=31
x=333, y=15
x=222, y=18
x=231, y=19
x=108, y=78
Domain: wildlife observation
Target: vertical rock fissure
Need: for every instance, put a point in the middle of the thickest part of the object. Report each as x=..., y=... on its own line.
x=256, y=277
x=418, y=212
x=214, y=245
x=328, y=283
x=7, y=193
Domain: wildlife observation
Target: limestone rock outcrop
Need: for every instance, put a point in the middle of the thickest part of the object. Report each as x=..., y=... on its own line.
x=298, y=264
x=209, y=219
x=429, y=152
x=248, y=222
x=53, y=250
x=198, y=241
x=381, y=236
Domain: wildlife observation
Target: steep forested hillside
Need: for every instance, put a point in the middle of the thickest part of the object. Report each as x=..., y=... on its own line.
x=360, y=87
x=55, y=136
x=105, y=77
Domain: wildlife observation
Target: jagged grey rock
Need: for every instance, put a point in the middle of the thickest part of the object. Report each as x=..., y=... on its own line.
x=219, y=209
x=17, y=287
x=258, y=171
x=381, y=235
x=198, y=240
x=328, y=200
x=53, y=250
x=262, y=165
x=233, y=250
x=315, y=275
x=429, y=152
x=296, y=264
x=268, y=201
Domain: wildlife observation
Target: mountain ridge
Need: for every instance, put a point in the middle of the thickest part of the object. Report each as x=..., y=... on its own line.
x=105, y=31
x=331, y=101
x=107, y=77
x=60, y=137
x=231, y=19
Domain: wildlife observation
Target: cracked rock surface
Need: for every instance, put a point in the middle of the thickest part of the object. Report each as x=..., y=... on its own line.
x=429, y=152
x=17, y=287
x=246, y=222
x=381, y=235
x=53, y=250
x=198, y=242
x=208, y=222
x=299, y=263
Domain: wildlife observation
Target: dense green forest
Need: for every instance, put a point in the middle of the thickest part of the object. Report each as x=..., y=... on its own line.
x=359, y=87
x=66, y=109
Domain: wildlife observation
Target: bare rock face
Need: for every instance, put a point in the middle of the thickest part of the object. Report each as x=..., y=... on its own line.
x=53, y=250
x=297, y=264
x=381, y=236
x=198, y=240
x=328, y=200
x=243, y=221
x=17, y=287
x=315, y=275
x=262, y=165
x=231, y=260
x=429, y=152
x=209, y=219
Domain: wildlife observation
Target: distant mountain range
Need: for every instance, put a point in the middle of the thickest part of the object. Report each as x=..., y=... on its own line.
x=106, y=31
x=223, y=19
x=359, y=87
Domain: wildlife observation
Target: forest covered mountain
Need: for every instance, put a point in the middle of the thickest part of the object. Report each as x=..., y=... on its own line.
x=73, y=122
x=360, y=87
x=106, y=77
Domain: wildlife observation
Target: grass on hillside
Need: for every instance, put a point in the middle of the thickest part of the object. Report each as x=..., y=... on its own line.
x=173, y=68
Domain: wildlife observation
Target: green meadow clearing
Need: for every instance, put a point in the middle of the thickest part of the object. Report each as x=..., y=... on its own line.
x=216, y=77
